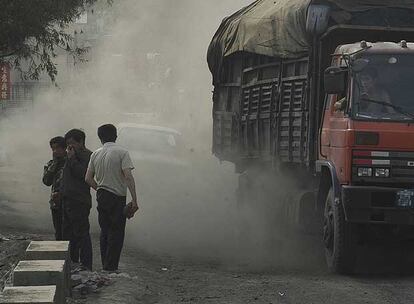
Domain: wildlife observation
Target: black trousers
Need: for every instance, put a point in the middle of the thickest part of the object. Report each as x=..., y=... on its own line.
x=112, y=222
x=76, y=231
x=57, y=218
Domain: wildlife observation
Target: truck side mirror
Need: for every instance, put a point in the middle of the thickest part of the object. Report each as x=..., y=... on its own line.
x=335, y=80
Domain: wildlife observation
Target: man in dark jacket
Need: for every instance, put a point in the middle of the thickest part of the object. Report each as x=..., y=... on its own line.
x=77, y=199
x=52, y=176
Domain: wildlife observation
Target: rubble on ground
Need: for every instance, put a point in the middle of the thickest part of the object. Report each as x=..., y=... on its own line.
x=87, y=282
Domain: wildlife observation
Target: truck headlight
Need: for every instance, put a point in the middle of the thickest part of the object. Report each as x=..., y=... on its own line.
x=364, y=172
x=382, y=172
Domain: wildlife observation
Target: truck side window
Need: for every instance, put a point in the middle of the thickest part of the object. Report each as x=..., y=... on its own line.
x=341, y=101
x=332, y=100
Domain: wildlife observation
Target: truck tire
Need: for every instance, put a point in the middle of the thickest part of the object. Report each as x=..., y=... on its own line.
x=339, y=238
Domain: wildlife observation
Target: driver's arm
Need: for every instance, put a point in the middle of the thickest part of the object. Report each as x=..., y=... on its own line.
x=340, y=105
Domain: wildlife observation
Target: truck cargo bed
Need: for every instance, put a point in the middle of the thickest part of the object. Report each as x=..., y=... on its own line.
x=261, y=109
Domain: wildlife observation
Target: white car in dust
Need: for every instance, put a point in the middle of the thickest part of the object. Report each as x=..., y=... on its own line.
x=160, y=160
x=152, y=144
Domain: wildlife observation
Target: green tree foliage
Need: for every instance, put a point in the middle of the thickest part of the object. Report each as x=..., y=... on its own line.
x=32, y=31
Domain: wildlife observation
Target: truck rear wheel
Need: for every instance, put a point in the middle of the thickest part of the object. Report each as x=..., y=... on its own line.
x=339, y=238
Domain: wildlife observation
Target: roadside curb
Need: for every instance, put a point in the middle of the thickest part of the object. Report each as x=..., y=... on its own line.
x=42, y=277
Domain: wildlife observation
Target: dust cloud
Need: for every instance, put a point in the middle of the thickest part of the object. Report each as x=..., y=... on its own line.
x=153, y=61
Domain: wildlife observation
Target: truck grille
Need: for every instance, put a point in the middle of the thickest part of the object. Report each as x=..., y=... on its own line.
x=401, y=165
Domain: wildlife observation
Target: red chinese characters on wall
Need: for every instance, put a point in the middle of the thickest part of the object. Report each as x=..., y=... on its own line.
x=5, y=81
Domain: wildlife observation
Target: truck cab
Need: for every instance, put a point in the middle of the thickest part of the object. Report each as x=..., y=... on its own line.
x=367, y=136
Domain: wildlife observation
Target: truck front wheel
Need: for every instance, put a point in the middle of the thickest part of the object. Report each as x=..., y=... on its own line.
x=339, y=238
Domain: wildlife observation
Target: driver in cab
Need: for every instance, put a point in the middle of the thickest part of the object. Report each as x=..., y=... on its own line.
x=374, y=98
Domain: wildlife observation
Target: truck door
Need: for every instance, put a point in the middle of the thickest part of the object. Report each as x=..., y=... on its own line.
x=334, y=143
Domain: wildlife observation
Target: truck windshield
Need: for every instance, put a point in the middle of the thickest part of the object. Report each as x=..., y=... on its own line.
x=384, y=90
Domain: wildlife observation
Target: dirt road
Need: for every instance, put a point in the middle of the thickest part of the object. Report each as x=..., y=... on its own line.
x=288, y=272
x=168, y=280
x=148, y=278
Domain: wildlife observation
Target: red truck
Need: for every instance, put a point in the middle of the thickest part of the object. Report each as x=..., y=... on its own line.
x=322, y=93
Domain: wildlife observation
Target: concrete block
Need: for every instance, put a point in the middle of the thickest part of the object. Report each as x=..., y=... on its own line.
x=51, y=250
x=43, y=273
x=48, y=250
x=30, y=294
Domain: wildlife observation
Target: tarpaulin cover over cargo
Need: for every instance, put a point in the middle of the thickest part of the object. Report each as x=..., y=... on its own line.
x=278, y=27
